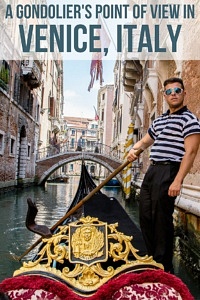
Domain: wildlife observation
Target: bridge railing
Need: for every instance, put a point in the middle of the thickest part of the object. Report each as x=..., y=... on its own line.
x=61, y=148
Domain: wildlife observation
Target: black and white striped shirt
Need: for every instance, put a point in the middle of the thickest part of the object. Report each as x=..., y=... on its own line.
x=169, y=132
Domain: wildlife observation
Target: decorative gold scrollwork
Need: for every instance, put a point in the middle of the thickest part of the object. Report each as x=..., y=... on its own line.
x=77, y=252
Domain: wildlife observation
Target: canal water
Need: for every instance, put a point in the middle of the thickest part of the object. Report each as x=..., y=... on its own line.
x=52, y=202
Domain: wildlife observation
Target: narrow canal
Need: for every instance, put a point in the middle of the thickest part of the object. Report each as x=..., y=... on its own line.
x=52, y=203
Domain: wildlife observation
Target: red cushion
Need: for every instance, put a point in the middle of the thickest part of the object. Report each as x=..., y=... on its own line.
x=147, y=291
x=30, y=294
x=153, y=280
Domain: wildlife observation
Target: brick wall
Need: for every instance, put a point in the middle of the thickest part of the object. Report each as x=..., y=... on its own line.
x=7, y=162
x=12, y=118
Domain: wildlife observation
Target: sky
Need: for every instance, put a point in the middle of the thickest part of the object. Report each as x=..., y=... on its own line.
x=78, y=101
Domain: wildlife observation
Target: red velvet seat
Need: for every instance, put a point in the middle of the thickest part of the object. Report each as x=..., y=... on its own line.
x=154, y=284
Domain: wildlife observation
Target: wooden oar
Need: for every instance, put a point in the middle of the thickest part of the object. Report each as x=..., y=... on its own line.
x=79, y=204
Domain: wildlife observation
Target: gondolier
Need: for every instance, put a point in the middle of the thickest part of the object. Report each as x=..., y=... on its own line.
x=175, y=138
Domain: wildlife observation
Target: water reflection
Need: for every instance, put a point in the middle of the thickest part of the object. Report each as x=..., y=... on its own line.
x=52, y=202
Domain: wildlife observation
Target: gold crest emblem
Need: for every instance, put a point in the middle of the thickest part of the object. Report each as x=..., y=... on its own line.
x=87, y=243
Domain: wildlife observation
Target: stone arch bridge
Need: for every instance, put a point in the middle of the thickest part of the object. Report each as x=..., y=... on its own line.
x=50, y=159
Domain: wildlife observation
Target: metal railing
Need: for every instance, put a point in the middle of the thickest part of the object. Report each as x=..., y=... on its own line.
x=62, y=148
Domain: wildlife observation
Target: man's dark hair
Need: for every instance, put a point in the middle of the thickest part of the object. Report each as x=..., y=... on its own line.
x=173, y=80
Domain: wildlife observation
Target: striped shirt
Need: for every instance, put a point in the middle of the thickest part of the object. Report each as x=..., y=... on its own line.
x=169, y=132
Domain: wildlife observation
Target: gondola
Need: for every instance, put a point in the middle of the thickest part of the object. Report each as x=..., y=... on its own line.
x=95, y=253
x=59, y=179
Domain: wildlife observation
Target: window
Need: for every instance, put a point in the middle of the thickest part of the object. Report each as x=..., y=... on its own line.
x=71, y=167
x=1, y=142
x=42, y=96
x=29, y=151
x=72, y=143
x=23, y=96
x=92, y=169
x=4, y=75
x=93, y=133
x=103, y=96
x=17, y=85
x=73, y=132
x=102, y=115
x=37, y=113
x=12, y=146
x=83, y=132
x=52, y=106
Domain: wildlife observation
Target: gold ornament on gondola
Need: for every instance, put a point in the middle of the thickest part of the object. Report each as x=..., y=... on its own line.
x=75, y=254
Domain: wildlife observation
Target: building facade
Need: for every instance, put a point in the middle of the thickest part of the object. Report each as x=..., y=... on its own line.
x=105, y=120
x=105, y=115
x=143, y=78
x=80, y=134
x=31, y=100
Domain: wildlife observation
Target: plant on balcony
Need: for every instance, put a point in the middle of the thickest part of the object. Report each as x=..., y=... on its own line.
x=4, y=78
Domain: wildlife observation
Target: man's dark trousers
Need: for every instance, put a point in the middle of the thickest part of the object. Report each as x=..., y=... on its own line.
x=156, y=212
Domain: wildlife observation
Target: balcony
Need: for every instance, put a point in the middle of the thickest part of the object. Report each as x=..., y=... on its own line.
x=40, y=142
x=132, y=72
x=31, y=70
x=55, y=125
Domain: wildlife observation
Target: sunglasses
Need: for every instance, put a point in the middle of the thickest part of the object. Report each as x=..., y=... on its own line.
x=176, y=90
